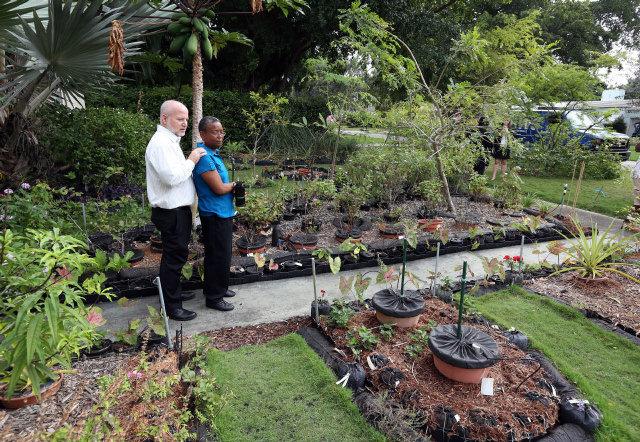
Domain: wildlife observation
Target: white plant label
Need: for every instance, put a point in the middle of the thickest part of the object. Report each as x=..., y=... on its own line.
x=486, y=387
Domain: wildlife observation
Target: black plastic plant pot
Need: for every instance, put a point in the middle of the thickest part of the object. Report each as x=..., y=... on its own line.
x=98, y=349
x=289, y=266
x=403, y=311
x=388, y=217
x=342, y=222
x=288, y=216
x=354, y=233
x=324, y=308
x=255, y=245
x=304, y=241
x=466, y=359
x=391, y=231
x=138, y=255
x=253, y=270
x=100, y=240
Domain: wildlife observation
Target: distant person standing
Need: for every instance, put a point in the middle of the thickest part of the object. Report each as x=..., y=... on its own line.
x=487, y=143
x=635, y=175
x=171, y=193
x=502, y=150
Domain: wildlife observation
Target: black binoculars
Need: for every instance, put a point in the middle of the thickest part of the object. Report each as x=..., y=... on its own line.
x=239, y=193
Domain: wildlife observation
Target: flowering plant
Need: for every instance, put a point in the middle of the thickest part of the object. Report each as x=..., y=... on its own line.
x=511, y=261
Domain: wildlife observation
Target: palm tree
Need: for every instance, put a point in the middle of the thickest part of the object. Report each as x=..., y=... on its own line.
x=63, y=55
x=195, y=30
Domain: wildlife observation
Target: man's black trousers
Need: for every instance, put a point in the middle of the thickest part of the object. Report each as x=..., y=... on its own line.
x=175, y=229
x=217, y=235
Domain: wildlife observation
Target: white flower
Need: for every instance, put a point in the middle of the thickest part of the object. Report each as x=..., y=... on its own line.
x=25, y=186
x=8, y=191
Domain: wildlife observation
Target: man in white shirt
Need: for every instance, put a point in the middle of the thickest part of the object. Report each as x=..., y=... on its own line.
x=171, y=193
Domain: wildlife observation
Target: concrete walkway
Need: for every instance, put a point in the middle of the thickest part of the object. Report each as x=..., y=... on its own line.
x=279, y=300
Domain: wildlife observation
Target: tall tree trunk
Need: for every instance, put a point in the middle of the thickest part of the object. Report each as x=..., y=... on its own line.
x=443, y=179
x=197, y=90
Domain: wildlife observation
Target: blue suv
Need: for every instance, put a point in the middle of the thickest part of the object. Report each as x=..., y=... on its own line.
x=590, y=133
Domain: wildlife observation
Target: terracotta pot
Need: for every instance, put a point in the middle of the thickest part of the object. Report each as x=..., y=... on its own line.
x=31, y=399
x=399, y=322
x=464, y=375
x=430, y=225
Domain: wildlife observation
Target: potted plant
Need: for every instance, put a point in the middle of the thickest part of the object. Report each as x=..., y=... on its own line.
x=512, y=276
x=350, y=198
x=396, y=305
x=101, y=344
x=43, y=319
x=431, y=193
x=258, y=212
x=462, y=353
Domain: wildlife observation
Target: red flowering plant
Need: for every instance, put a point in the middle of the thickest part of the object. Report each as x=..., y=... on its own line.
x=511, y=261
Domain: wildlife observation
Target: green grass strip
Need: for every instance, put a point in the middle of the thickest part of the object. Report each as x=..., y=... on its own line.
x=604, y=365
x=282, y=391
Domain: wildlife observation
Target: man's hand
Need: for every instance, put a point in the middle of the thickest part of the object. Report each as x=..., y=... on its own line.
x=196, y=154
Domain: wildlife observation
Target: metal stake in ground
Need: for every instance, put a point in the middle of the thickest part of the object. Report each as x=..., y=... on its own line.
x=404, y=264
x=564, y=194
x=521, y=251
x=315, y=292
x=462, y=290
x=84, y=216
x=435, y=274
x=164, y=313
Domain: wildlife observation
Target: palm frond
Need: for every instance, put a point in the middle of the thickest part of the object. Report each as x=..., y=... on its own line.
x=70, y=49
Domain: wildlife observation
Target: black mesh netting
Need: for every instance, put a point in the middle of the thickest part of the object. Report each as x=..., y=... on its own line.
x=475, y=349
x=390, y=303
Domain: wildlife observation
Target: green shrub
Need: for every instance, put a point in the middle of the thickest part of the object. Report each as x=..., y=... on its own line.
x=561, y=159
x=225, y=105
x=97, y=143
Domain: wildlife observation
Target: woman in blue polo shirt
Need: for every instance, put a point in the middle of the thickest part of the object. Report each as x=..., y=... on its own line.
x=215, y=204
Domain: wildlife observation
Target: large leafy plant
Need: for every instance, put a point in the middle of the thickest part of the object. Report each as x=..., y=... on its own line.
x=43, y=317
x=599, y=254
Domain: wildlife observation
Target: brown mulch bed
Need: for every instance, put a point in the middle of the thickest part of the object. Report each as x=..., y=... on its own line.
x=507, y=413
x=72, y=404
x=614, y=297
x=230, y=338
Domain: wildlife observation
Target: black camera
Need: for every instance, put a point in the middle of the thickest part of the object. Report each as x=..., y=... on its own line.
x=239, y=193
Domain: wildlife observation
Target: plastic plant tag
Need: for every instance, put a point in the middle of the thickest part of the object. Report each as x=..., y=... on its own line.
x=457, y=418
x=370, y=363
x=486, y=387
x=343, y=382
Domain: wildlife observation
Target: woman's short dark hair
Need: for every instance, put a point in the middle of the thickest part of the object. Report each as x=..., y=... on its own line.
x=205, y=122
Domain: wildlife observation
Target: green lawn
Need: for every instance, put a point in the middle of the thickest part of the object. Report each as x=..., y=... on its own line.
x=282, y=391
x=616, y=194
x=605, y=366
x=364, y=139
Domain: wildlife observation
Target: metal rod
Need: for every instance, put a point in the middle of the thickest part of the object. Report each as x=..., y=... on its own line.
x=315, y=291
x=143, y=202
x=404, y=264
x=435, y=275
x=164, y=313
x=521, y=252
x=462, y=289
x=84, y=216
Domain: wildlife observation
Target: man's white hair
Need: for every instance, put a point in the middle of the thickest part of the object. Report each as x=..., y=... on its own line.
x=170, y=106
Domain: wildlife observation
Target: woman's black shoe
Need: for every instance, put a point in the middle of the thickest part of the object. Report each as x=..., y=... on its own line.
x=229, y=294
x=220, y=304
x=181, y=314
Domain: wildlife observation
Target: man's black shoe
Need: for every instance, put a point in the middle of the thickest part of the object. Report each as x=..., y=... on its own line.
x=220, y=304
x=181, y=314
x=188, y=295
x=229, y=294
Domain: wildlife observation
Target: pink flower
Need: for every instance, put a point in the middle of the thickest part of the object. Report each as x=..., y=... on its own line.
x=25, y=186
x=8, y=191
x=506, y=257
x=516, y=258
x=134, y=374
x=95, y=318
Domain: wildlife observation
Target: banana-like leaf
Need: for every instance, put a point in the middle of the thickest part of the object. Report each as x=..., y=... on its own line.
x=220, y=39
